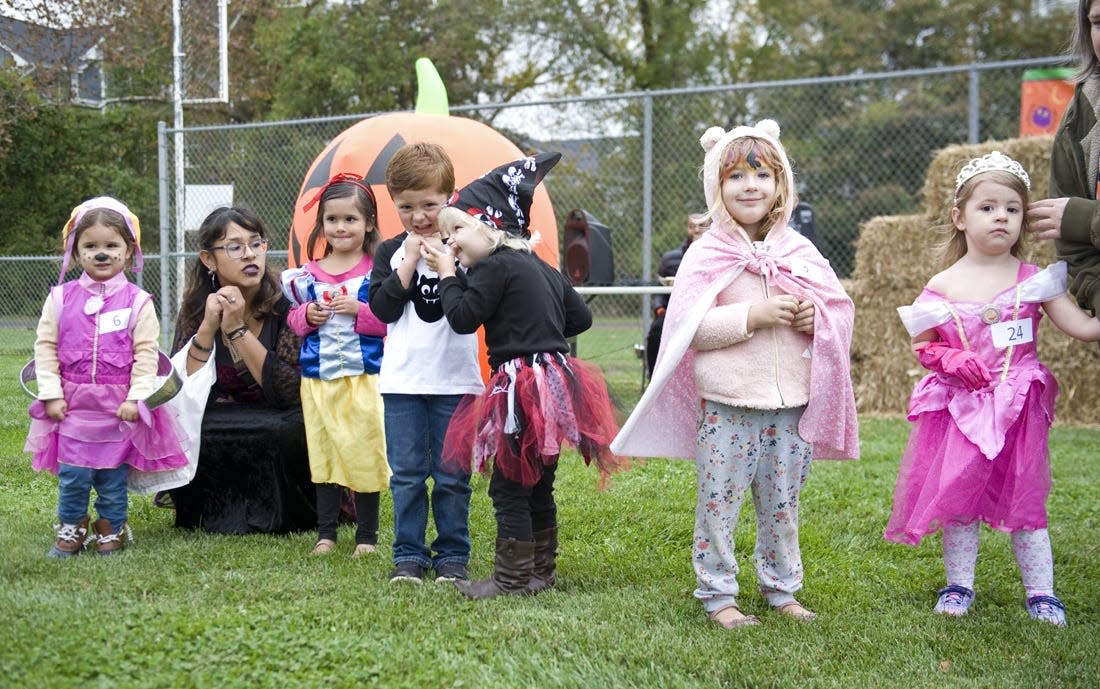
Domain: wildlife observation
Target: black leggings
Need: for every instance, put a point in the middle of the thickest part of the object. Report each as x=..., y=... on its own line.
x=329, y=501
x=521, y=512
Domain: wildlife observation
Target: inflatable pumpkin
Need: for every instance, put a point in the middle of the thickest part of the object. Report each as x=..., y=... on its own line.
x=366, y=147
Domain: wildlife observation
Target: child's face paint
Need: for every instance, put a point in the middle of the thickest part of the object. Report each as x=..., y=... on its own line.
x=749, y=193
x=102, y=251
x=753, y=160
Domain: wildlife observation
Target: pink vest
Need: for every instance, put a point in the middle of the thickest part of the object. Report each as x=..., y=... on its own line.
x=96, y=347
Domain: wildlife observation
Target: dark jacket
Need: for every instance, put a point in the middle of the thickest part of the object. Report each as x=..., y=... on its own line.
x=1079, y=246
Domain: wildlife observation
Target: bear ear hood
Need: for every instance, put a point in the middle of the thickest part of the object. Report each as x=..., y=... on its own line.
x=716, y=140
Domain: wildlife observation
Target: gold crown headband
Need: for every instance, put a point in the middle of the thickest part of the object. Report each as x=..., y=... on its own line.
x=988, y=163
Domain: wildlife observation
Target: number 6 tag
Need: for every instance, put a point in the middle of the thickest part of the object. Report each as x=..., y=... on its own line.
x=1012, y=333
x=111, y=321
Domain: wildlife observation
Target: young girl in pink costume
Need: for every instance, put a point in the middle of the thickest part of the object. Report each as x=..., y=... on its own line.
x=752, y=379
x=340, y=357
x=978, y=448
x=96, y=361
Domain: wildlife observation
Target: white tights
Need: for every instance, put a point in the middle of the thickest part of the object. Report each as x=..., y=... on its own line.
x=1031, y=548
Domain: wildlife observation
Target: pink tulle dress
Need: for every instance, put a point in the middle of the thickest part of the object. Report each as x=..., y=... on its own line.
x=980, y=455
x=95, y=351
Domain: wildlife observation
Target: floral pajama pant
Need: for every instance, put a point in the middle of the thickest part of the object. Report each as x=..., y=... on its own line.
x=741, y=449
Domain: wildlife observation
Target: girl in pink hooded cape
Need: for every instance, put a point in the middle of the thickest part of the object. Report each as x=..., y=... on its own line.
x=752, y=379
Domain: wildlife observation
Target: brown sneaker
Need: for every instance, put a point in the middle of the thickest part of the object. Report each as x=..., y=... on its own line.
x=108, y=541
x=70, y=539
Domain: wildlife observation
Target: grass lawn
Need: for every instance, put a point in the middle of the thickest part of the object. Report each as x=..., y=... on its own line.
x=183, y=609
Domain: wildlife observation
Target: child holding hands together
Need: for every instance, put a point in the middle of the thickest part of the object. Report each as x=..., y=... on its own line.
x=752, y=379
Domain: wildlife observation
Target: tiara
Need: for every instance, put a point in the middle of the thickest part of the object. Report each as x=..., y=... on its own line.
x=988, y=163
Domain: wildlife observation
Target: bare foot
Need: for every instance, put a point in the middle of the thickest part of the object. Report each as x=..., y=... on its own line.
x=732, y=617
x=796, y=611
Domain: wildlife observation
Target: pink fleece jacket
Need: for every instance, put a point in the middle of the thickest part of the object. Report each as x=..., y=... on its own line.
x=772, y=364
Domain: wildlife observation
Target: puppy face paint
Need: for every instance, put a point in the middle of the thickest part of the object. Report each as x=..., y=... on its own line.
x=103, y=252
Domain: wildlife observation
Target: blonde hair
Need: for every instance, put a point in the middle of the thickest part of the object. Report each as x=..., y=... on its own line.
x=737, y=152
x=451, y=216
x=952, y=246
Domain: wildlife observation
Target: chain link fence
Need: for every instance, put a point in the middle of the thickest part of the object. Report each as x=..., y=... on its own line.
x=860, y=146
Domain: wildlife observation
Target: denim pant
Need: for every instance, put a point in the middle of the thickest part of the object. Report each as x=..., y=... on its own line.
x=415, y=428
x=75, y=488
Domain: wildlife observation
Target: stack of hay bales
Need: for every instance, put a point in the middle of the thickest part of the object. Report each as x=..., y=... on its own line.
x=895, y=257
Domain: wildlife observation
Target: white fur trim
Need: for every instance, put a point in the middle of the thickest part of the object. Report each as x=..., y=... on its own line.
x=711, y=137
x=769, y=127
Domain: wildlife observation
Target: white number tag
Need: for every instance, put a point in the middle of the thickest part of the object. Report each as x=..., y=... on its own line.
x=802, y=269
x=1012, y=333
x=113, y=320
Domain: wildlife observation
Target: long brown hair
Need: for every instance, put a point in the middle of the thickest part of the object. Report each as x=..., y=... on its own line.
x=1080, y=45
x=200, y=280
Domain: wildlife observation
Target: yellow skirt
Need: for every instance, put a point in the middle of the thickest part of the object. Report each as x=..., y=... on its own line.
x=345, y=433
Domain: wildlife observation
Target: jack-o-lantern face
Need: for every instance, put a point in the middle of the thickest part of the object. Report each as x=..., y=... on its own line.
x=366, y=147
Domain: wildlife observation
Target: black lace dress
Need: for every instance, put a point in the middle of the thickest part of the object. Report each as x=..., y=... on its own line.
x=253, y=471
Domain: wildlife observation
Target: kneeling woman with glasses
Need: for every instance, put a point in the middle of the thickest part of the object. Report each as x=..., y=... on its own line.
x=240, y=396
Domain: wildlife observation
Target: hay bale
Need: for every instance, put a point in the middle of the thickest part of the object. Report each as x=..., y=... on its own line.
x=895, y=257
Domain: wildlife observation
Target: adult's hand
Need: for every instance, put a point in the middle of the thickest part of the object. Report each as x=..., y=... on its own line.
x=1044, y=218
x=232, y=308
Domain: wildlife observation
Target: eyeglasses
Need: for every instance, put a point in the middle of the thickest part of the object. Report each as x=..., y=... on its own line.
x=236, y=249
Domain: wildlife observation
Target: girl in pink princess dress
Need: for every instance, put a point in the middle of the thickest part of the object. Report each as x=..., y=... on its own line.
x=978, y=447
x=96, y=362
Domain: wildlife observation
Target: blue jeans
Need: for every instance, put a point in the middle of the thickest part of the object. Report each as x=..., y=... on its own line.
x=75, y=487
x=415, y=428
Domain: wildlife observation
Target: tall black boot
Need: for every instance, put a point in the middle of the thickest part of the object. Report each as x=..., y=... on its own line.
x=512, y=567
x=546, y=553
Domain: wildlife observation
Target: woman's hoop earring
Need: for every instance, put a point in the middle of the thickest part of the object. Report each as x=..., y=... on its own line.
x=213, y=280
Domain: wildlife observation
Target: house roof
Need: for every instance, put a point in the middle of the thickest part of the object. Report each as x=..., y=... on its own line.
x=34, y=44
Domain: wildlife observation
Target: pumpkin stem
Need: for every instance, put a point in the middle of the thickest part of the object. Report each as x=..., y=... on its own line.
x=431, y=94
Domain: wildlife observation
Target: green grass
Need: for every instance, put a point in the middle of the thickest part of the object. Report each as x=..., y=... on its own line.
x=182, y=609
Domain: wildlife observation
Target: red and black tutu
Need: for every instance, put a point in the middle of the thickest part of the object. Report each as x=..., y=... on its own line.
x=530, y=408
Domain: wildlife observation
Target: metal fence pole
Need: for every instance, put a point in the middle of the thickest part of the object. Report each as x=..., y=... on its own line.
x=974, y=108
x=647, y=204
x=165, y=227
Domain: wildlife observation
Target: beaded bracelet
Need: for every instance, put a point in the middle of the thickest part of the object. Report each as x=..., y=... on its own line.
x=237, y=333
x=196, y=345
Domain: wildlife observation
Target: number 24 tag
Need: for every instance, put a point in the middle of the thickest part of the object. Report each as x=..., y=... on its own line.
x=1012, y=333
